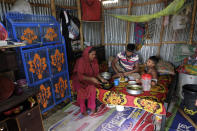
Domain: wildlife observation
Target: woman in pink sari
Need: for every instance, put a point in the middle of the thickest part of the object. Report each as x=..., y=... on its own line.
x=85, y=79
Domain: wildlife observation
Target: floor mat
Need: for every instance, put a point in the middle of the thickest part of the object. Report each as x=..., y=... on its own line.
x=75, y=121
x=105, y=119
x=175, y=121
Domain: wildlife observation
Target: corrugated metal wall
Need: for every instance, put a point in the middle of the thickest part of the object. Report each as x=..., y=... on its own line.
x=115, y=29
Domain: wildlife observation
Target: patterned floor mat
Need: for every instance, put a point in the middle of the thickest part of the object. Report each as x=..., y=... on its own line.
x=105, y=119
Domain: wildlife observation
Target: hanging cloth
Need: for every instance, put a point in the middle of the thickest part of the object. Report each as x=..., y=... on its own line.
x=172, y=8
x=139, y=34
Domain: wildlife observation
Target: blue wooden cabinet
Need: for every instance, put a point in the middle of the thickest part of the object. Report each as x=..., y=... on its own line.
x=44, y=57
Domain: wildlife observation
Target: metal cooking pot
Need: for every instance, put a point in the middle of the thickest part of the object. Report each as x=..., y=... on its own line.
x=106, y=75
x=134, y=89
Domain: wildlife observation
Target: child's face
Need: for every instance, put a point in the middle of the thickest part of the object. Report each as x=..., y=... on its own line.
x=150, y=63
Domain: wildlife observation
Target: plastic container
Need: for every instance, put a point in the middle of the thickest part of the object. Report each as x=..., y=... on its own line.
x=116, y=82
x=146, y=82
x=190, y=98
x=119, y=108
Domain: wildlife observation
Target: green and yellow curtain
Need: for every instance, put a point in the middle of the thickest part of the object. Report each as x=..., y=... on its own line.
x=171, y=9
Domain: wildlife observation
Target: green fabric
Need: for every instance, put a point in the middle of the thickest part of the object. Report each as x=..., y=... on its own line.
x=191, y=69
x=170, y=119
x=183, y=51
x=169, y=10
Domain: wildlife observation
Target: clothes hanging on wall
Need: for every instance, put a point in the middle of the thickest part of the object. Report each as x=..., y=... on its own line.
x=91, y=10
x=139, y=33
x=21, y=6
x=70, y=31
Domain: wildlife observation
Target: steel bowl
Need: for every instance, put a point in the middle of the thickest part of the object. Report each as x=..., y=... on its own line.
x=134, y=89
x=106, y=75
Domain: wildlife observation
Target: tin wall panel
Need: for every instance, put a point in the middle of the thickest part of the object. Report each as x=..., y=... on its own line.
x=115, y=29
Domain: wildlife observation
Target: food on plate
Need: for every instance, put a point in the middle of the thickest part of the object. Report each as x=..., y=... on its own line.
x=122, y=79
x=107, y=85
x=134, y=87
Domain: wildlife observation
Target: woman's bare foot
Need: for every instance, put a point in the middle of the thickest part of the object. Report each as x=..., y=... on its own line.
x=85, y=113
x=93, y=111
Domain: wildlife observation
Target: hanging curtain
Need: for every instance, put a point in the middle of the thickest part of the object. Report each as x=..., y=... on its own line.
x=139, y=34
x=172, y=8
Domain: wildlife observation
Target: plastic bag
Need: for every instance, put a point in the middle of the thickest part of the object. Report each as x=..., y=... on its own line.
x=73, y=26
x=21, y=6
x=179, y=22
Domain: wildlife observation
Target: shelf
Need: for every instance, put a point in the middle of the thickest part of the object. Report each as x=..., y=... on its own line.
x=15, y=100
x=92, y=21
x=101, y=21
x=7, y=44
x=11, y=46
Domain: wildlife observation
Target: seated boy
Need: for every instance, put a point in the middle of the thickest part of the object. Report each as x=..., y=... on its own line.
x=126, y=63
x=150, y=68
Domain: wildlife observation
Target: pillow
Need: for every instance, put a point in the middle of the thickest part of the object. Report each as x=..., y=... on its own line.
x=191, y=69
x=165, y=68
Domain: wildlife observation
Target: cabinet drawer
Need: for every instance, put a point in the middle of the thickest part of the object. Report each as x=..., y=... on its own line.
x=30, y=120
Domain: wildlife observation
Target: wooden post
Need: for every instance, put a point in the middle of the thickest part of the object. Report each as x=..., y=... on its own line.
x=53, y=9
x=102, y=25
x=81, y=24
x=161, y=34
x=128, y=24
x=192, y=23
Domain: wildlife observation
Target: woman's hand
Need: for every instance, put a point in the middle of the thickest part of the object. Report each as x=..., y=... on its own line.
x=94, y=80
x=103, y=80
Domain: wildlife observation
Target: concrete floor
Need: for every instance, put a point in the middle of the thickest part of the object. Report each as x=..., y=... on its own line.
x=54, y=115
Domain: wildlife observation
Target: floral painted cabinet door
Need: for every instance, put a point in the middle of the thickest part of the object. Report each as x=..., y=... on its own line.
x=46, y=68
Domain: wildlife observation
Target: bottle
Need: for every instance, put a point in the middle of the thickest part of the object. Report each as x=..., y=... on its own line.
x=146, y=82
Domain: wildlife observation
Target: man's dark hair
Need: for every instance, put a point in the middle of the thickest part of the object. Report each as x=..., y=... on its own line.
x=155, y=59
x=130, y=47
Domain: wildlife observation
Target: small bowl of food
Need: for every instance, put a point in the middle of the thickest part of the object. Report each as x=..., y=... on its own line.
x=134, y=89
x=106, y=75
